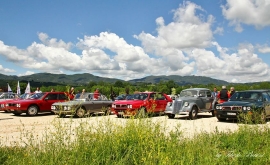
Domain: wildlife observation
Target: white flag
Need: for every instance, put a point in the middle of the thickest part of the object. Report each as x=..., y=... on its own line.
x=9, y=89
x=18, y=89
x=27, y=90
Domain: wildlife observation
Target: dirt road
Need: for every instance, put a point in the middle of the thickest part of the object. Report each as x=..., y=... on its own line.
x=14, y=128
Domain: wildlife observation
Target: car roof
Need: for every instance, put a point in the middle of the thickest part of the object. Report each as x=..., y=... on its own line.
x=197, y=89
x=256, y=90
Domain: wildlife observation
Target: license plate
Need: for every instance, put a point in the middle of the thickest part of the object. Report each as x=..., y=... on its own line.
x=120, y=113
x=12, y=110
x=229, y=113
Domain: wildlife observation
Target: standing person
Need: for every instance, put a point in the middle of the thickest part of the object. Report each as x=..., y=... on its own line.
x=82, y=94
x=232, y=91
x=214, y=95
x=223, y=95
x=52, y=90
x=96, y=94
x=71, y=93
x=38, y=90
x=112, y=96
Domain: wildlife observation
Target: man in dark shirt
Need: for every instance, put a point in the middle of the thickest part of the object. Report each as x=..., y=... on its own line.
x=223, y=95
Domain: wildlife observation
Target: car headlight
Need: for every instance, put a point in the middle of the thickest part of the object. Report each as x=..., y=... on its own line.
x=52, y=107
x=66, y=108
x=218, y=107
x=248, y=108
x=113, y=106
x=244, y=108
x=6, y=105
x=129, y=106
x=186, y=104
x=18, y=105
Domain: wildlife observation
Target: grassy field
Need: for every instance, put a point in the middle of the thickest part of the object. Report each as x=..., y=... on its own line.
x=140, y=141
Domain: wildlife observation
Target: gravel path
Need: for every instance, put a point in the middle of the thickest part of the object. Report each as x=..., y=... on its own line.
x=15, y=129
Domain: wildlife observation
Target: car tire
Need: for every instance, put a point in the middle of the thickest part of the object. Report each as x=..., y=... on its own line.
x=221, y=119
x=171, y=116
x=193, y=113
x=17, y=114
x=62, y=115
x=32, y=110
x=120, y=116
x=141, y=113
x=80, y=112
x=213, y=113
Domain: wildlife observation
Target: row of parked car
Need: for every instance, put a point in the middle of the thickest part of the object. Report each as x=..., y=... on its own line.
x=189, y=102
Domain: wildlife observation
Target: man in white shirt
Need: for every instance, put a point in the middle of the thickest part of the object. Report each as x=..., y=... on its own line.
x=38, y=90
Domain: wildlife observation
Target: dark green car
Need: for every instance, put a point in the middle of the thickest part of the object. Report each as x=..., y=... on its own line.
x=249, y=102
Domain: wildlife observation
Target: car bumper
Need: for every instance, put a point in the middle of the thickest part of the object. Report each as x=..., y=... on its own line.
x=62, y=112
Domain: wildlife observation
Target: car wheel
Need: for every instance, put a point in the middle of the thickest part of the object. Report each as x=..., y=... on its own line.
x=141, y=113
x=80, y=112
x=193, y=113
x=17, y=114
x=32, y=110
x=213, y=113
x=62, y=115
x=171, y=116
x=221, y=119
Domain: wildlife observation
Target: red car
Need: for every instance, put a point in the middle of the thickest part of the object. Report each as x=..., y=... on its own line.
x=4, y=104
x=38, y=102
x=140, y=104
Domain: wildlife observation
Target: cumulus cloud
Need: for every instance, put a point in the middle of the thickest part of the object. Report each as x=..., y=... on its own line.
x=263, y=48
x=6, y=70
x=250, y=12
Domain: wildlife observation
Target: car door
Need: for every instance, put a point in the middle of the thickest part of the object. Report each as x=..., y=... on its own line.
x=48, y=100
x=266, y=100
x=161, y=102
x=206, y=99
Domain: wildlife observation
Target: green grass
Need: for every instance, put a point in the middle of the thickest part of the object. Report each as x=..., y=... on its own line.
x=139, y=141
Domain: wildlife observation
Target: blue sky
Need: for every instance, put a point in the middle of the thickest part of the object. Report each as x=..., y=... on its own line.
x=225, y=39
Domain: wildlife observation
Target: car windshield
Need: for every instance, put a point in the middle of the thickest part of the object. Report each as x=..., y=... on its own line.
x=83, y=96
x=6, y=96
x=248, y=95
x=187, y=93
x=137, y=96
x=37, y=96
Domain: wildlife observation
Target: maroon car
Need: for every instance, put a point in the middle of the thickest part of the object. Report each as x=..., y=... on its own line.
x=140, y=104
x=4, y=104
x=38, y=102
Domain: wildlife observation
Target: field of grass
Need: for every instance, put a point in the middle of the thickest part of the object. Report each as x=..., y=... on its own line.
x=140, y=141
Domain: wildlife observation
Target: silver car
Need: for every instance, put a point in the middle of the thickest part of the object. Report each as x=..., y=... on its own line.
x=191, y=102
x=83, y=105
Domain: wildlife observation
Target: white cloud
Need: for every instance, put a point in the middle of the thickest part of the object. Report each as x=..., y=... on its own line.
x=26, y=73
x=250, y=12
x=6, y=70
x=263, y=48
x=188, y=30
x=44, y=38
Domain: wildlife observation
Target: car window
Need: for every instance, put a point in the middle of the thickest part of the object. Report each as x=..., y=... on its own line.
x=37, y=96
x=186, y=93
x=51, y=96
x=208, y=94
x=265, y=97
x=62, y=96
x=202, y=94
x=160, y=96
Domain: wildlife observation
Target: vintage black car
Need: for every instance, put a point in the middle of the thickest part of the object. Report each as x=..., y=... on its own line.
x=83, y=105
x=191, y=102
x=245, y=102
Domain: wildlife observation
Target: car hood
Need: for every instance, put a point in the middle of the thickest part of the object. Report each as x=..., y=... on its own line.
x=238, y=103
x=127, y=101
x=69, y=103
x=24, y=101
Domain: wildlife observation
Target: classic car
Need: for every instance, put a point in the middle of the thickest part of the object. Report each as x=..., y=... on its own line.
x=140, y=104
x=37, y=103
x=4, y=104
x=245, y=102
x=8, y=95
x=83, y=105
x=191, y=102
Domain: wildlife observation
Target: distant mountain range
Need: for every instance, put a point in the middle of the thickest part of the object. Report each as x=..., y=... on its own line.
x=80, y=79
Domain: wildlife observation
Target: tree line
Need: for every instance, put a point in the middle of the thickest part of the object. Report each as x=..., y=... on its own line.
x=122, y=87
